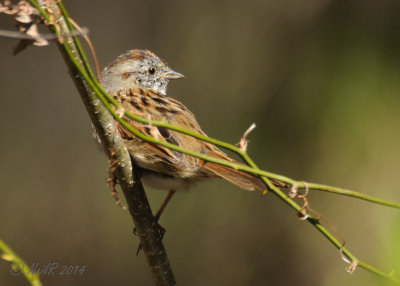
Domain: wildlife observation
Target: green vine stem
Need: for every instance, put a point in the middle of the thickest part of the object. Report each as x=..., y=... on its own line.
x=18, y=265
x=112, y=105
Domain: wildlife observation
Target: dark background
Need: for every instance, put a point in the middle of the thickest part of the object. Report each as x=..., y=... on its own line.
x=319, y=78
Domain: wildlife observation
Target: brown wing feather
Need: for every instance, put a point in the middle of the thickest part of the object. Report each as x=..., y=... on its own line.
x=155, y=157
x=152, y=156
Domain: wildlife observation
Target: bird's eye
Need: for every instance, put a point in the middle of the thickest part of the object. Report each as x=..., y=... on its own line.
x=152, y=71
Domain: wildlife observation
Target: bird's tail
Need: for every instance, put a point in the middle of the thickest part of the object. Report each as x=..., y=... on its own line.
x=242, y=179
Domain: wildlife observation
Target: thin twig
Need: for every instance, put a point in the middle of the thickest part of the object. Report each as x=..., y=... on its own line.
x=92, y=50
x=22, y=36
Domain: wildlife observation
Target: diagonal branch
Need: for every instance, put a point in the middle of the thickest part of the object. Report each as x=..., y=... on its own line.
x=138, y=204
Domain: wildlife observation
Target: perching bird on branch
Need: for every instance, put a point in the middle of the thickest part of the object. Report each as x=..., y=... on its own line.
x=138, y=80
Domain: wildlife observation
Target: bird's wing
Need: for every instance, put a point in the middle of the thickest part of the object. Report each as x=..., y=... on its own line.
x=164, y=160
x=155, y=157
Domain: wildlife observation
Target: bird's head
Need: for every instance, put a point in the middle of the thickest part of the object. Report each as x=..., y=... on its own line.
x=138, y=69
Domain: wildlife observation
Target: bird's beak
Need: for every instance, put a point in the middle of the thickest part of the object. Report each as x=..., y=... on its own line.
x=171, y=74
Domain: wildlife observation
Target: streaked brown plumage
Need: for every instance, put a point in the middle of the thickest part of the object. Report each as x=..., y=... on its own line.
x=138, y=79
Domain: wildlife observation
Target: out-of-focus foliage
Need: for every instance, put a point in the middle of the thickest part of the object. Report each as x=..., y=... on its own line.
x=319, y=78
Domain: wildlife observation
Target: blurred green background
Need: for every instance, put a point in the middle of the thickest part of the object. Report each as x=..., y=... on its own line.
x=319, y=78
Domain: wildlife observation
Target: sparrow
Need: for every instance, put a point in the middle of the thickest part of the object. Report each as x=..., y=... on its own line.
x=138, y=80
